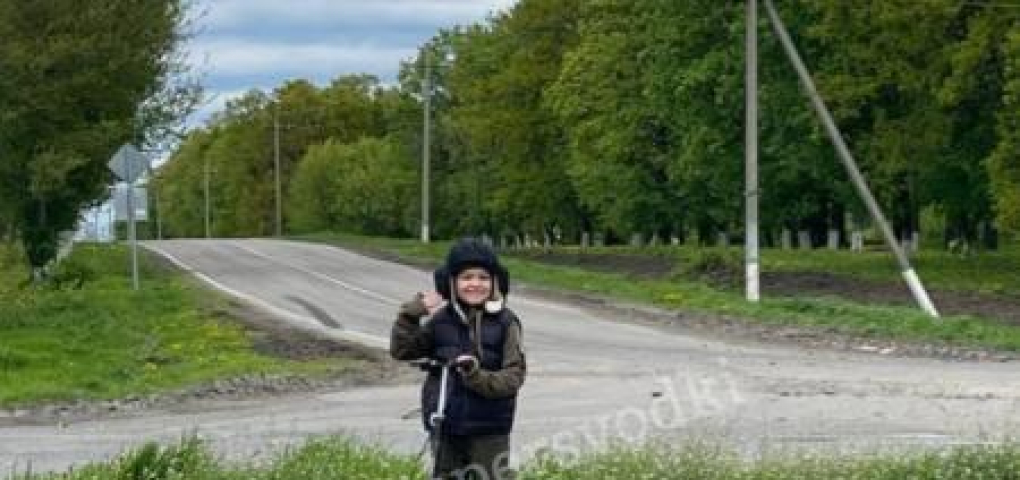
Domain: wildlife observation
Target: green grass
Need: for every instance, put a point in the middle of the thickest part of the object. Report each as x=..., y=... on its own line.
x=336, y=458
x=702, y=463
x=107, y=341
x=828, y=313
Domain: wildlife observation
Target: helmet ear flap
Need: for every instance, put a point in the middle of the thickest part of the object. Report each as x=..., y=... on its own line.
x=441, y=277
x=503, y=279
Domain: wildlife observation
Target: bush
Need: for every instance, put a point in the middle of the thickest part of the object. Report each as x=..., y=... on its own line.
x=719, y=266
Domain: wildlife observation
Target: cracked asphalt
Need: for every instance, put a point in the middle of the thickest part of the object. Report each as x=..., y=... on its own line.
x=595, y=378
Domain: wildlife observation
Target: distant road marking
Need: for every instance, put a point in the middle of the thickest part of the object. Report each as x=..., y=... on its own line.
x=323, y=276
x=298, y=320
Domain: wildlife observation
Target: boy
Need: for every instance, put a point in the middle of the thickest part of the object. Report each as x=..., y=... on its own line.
x=481, y=338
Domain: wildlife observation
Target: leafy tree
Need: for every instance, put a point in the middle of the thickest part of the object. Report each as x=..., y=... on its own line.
x=650, y=99
x=1004, y=165
x=359, y=187
x=180, y=186
x=238, y=148
x=508, y=146
x=916, y=87
x=78, y=80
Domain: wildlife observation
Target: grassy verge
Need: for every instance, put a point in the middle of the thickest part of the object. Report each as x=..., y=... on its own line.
x=338, y=458
x=107, y=341
x=833, y=314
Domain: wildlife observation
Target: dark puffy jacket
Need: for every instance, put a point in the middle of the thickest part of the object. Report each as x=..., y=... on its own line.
x=482, y=402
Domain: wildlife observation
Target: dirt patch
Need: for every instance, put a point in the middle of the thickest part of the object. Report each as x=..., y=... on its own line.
x=890, y=293
x=274, y=338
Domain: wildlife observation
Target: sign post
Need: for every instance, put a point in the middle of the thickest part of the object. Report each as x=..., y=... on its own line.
x=129, y=164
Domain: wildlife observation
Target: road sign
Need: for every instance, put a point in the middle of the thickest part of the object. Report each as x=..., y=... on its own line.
x=139, y=202
x=128, y=163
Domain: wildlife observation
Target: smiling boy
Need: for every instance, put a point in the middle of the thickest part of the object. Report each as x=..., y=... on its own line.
x=475, y=332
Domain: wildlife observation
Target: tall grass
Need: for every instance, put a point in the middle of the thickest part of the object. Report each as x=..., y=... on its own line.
x=339, y=458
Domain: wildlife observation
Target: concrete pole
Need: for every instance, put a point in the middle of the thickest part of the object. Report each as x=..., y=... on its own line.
x=132, y=234
x=276, y=172
x=913, y=281
x=95, y=225
x=426, y=147
x=159, y=215
x=208, y=224
x=752, y=262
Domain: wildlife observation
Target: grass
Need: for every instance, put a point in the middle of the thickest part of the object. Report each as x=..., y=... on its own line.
x=106, y=341
x=334, y=458
x=828, y=313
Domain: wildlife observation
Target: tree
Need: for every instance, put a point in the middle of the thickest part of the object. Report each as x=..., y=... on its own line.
x=238, y=148
x=78, y=80
x=1004, y=165
x=651, y=102
x=180, y=185
x=359, y=187
x=503, y=138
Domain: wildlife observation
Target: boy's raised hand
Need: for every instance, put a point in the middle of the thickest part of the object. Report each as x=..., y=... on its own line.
x=432, y=301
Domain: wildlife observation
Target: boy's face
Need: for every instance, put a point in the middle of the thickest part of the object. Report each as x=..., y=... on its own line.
x=474, y=286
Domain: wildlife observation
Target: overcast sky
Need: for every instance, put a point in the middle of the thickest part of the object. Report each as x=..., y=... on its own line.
x=244, y=44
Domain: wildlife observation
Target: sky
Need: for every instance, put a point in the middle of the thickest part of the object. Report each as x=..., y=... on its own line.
x=245, y=44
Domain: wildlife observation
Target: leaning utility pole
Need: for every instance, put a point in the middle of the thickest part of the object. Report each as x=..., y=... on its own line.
x=916, y=287
x=752, y=257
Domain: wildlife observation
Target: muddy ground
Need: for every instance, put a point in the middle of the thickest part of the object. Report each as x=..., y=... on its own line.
x=792, y=284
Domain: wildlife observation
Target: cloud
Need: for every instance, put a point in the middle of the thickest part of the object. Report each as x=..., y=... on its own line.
x=240, y=15
x=237, y=62
x=216, y=100
x=245, y=44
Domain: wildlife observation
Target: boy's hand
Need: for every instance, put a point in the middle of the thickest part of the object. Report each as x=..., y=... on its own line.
x=431, y=300
x=466, y=364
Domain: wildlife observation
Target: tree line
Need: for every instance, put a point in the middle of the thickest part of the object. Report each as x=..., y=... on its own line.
x=559, y=118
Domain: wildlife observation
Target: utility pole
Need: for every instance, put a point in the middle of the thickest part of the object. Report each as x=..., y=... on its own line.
x=916, y=287
x=426, y=146
x=208, y=230
x=276, y=170
x=752, y=256
x=159, y=216
x=132, y=233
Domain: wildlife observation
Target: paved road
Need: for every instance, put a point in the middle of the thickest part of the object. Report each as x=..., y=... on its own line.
x=594, y=378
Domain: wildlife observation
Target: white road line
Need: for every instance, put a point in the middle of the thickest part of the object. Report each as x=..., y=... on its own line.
x=517, y=298
x=323, y=276
x=298, y=320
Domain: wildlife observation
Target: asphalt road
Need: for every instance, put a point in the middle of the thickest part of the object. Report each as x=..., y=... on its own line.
x=594, y=378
